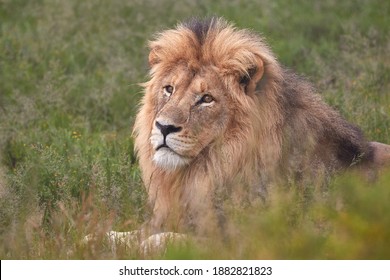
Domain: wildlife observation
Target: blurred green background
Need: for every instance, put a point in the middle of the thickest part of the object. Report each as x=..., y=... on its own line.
x=69, y=75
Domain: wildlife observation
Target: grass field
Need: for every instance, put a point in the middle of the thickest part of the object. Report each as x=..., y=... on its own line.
x=69, y=74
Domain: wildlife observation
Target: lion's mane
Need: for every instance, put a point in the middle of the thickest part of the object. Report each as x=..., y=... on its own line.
x=279, y=127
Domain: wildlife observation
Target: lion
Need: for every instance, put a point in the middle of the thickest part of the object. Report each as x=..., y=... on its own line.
x=222, y=118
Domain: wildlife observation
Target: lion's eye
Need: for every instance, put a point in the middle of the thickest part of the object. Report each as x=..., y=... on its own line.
x=168, y=90
x=207, y=98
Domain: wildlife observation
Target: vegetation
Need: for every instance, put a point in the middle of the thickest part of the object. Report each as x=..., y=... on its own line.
x=69, y=74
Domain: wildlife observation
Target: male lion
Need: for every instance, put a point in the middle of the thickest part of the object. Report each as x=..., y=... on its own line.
x=222, y=118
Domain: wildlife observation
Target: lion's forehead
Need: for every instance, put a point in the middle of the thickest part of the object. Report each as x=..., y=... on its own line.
x=187, y=80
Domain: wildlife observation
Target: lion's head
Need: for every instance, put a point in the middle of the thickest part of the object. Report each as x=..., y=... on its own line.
x=201, y=91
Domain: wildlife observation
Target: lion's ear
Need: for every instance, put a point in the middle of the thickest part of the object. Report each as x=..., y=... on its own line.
x=252, y=76
x=153, y=57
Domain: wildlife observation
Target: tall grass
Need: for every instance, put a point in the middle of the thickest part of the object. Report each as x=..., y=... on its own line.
x=69, y=74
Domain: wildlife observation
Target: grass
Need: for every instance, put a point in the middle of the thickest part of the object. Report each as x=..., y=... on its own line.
x=69, y=74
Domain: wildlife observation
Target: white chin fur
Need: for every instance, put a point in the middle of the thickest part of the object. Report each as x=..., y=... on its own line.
x=169, y=160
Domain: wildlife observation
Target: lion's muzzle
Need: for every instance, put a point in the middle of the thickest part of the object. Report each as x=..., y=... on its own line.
x=170, y=147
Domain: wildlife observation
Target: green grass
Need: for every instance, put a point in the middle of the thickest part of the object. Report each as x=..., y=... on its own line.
x=69, y=74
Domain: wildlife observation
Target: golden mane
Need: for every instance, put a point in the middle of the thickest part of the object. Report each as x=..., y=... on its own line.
x=271, y=125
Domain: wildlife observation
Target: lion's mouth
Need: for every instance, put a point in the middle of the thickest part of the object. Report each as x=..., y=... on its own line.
x=168, y=153
x=163, y=146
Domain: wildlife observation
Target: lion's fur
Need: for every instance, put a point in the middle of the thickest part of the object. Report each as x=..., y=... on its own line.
x=272, y=124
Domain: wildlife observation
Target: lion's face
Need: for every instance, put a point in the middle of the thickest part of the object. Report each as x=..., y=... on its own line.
x=192, y=112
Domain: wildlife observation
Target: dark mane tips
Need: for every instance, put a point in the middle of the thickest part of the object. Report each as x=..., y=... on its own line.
x=201, y=27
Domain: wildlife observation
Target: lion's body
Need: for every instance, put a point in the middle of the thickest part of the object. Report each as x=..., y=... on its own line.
x=222, y=118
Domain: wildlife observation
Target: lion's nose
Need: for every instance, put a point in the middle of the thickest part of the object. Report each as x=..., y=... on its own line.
x=167, y=128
